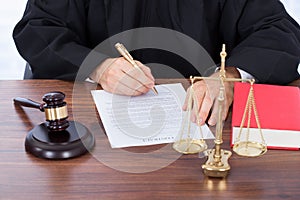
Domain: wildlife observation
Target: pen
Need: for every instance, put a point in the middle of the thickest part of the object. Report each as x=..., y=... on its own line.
x=123, y=51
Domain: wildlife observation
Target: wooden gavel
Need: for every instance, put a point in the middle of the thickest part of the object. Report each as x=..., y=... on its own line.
x=55, y=109
x=57, y=138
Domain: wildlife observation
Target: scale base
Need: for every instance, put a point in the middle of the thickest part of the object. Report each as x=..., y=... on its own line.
x=76, y=140
x=214, y=168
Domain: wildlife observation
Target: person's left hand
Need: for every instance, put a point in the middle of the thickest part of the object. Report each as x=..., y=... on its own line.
x=206, y=94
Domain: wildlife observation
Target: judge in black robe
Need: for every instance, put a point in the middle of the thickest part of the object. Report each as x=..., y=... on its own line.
x=54, y=37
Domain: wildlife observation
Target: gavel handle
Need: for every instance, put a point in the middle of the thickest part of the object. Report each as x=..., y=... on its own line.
x=28, y=103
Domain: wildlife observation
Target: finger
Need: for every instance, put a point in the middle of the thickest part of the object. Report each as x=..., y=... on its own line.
x=140, y=77
x=229, y=90
x=225, y=112
x=117, y=81
x=206, y=106
x=98, y=74
x=121, y=71
x=125, y=90
x=132, y=80
x=214, y=114
x=111, y=70
x=199, y=97
x=210, y=103
x=185, y=104
x=227, y=103
x=116, y=86
x=146, y=70
x=188, y=104
x=136, y=73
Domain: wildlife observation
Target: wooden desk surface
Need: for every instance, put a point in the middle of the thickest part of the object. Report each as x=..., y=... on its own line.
x=275, y=175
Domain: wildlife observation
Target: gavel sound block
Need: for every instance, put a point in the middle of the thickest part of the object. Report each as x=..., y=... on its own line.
x=57, y=138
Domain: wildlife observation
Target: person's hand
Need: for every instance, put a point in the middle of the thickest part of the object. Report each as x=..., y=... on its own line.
x=206, y=94
x=118, y=76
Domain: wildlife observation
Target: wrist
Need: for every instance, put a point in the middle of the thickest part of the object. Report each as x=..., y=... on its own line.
x=232, y=72
x=97, y=74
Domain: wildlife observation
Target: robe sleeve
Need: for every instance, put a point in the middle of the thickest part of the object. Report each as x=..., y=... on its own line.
x=267, y=39
x=51, y=37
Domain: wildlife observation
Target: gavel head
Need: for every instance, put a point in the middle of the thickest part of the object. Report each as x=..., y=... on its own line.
x=56, y=111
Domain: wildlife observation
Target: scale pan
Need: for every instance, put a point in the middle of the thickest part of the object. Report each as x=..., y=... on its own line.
x=187, y=146
x=249, y=149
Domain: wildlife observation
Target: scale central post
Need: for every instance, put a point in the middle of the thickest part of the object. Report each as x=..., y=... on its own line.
x=217, y=162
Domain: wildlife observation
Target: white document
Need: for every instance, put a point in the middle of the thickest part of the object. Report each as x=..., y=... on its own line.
x=143, y=120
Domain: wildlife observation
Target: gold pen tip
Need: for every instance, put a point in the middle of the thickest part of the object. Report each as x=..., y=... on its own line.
x=154, y=90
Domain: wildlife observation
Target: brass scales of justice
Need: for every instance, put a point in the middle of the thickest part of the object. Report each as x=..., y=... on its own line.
x=217, y=161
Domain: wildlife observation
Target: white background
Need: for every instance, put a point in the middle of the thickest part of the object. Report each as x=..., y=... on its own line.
x=11, y=63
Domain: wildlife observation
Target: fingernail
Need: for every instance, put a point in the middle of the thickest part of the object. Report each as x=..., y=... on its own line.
x=150, y=85
x=212, y=122
x=199, y=121
x=193, y=119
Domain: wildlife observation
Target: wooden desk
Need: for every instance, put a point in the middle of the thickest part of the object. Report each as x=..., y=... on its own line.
x=275, y=175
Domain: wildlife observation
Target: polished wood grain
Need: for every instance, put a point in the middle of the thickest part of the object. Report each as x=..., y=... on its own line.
x=107, y=173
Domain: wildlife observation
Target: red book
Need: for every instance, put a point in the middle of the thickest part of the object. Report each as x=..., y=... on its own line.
x=278, y=109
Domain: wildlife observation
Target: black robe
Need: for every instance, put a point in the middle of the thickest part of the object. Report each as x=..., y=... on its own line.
x=55, y=37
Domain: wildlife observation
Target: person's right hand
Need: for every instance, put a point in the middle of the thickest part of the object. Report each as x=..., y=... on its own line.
x=118, y=76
